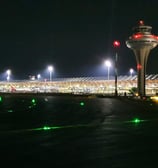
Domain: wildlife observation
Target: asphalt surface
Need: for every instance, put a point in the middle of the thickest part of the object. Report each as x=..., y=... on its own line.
x=76, y=131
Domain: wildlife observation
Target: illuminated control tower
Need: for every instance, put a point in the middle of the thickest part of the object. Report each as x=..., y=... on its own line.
x=142, y=42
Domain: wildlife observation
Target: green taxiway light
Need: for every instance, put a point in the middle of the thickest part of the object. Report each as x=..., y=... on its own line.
x=47, y=128
x=81, y=103
x=58, y=127
x=136, y=120
x=10, y=110
x=0, y=99
x=33, y=101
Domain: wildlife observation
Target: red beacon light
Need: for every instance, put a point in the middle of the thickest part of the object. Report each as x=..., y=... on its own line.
x=155, y=37
x=141, y=22
x=139, y=66
x=116, y=44
x=136, y=36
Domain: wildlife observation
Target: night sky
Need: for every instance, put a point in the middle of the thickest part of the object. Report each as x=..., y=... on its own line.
x=74, y=36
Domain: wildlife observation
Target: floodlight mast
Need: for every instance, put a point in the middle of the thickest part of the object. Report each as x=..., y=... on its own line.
x=116, y=45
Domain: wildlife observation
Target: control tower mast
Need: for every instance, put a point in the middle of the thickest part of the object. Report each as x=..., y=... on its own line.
x=142, y=42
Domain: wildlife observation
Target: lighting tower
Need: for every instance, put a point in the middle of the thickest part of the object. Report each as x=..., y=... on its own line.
x=116, y=45
x=108, y=64
x=142, y=42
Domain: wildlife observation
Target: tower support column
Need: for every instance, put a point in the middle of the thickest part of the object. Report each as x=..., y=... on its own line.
x=141, y=59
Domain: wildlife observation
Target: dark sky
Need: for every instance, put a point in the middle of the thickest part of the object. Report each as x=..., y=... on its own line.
x=74, y=36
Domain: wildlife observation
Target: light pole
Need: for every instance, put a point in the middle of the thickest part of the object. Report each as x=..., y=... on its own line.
x=131, y=71
x=116, y=45
x=50, y=69
x=8, y=74
x=108, y=64
x=38, y=76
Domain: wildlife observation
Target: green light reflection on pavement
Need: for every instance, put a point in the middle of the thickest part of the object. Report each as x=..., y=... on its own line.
x=48, y=128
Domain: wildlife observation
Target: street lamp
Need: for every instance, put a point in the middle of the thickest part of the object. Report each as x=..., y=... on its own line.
x=116, y=45
x=8, y=74
x=50, y=69
x=131, y=71
x=38, y=76
x=108, y=64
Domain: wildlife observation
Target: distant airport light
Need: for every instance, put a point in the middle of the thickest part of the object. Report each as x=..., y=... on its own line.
x=50, y=69
x=154, y=98
x=108, y=64
x=8, y=74
x=38, y=76
x=131, y=71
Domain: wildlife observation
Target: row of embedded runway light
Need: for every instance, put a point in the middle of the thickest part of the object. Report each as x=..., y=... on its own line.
x=34, y=102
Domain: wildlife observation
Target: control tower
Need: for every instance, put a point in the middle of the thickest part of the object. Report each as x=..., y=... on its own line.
x=142, y=42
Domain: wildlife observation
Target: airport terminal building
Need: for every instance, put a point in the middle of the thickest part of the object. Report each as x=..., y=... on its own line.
x=81, y=85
